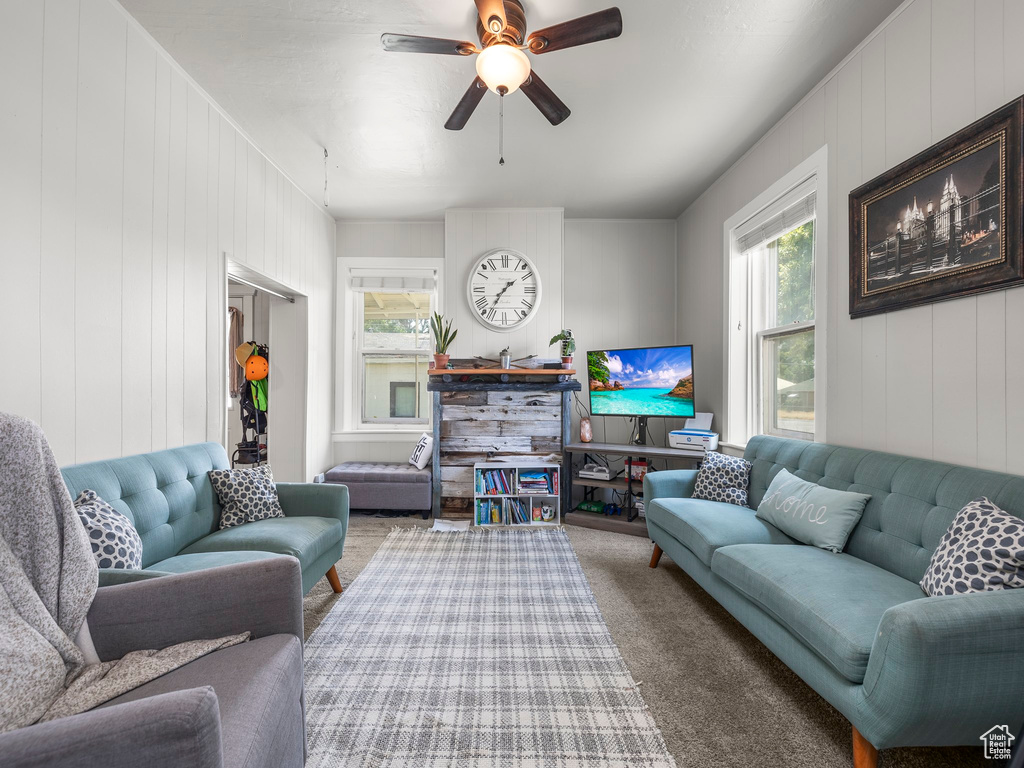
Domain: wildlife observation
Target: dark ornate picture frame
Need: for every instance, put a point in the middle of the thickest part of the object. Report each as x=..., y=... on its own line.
x=944, y=224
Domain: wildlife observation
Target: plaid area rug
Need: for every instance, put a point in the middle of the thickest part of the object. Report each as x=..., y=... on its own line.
x=473, y=649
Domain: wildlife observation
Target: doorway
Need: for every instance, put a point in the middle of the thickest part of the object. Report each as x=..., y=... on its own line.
x=248, y=323
x=268, y=314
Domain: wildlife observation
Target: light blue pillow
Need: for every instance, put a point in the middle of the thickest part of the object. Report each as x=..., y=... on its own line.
x=819, y=516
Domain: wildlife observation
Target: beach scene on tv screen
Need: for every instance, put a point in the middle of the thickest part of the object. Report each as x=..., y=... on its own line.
x=642, y=382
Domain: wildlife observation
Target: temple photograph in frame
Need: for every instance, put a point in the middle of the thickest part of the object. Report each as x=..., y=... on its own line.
x=945, y=223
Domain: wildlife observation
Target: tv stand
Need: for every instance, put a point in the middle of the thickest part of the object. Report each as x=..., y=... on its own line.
x=631, y=488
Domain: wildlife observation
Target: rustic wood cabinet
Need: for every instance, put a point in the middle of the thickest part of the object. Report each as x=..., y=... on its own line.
x=486, y=418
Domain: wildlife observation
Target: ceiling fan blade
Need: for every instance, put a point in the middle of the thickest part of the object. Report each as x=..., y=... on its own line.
x=602, y=25
x=417, y=44
x=465, y=108
x=544, y=99
x=492, y=15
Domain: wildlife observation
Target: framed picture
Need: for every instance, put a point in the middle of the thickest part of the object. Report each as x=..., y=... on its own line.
x=944, y=224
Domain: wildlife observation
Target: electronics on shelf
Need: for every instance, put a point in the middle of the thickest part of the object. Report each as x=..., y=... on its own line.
x=693, y=438
x=641, y=383
x=696, y=433
x=595, y=472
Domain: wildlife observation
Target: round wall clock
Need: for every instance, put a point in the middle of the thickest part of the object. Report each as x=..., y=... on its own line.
x=504, y=289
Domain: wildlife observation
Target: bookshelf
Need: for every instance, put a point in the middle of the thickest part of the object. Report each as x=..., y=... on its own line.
x=509, y=495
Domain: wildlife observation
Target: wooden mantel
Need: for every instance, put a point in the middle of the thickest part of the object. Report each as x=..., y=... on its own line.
x=502, y=371
x=502, y=375
x=482, y=414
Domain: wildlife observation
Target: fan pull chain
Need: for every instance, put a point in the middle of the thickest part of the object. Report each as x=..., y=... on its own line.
x=327, y=191
x=501, y=126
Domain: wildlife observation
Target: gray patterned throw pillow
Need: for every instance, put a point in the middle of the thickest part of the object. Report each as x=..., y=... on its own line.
x=723, y=478
x=115, y=542
x=246, y=495
x=983, y=551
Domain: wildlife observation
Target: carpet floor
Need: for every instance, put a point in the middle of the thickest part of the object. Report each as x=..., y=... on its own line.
x=720, y=698
x=462, y=649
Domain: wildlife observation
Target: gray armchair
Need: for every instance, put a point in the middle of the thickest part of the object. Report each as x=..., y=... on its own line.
x=240, y=706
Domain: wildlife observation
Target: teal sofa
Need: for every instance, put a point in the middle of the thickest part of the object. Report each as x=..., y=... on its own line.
x=905, y=669
x=169, y=499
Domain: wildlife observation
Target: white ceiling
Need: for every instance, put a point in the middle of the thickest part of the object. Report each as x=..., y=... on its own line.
x=657, y=114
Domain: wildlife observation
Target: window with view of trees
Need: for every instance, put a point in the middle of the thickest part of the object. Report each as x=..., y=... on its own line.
x=775, y=298
x=787, y=333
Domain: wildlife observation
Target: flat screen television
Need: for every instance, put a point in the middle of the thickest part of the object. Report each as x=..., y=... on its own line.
x=649, y=381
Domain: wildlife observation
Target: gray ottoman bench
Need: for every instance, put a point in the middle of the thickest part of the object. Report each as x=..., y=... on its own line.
x=376, y=485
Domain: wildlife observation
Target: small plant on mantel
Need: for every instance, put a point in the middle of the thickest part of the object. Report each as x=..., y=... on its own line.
x=443, y=338
x=567, y=344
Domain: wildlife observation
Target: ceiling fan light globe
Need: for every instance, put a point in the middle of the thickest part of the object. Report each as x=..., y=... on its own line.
x=502, y=65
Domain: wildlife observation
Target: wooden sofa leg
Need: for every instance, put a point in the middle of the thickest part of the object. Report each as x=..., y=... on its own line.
x=864, y=753
x=655, y=556
x=332, y=576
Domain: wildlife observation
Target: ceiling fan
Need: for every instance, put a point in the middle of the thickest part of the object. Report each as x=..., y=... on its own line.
x=501, y=65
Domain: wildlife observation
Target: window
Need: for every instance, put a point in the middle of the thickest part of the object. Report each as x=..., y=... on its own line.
x=384, y=343
x=775, y=336
x=786, y=341
x=394, y=356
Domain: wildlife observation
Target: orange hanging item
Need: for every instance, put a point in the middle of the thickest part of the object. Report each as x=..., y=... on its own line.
x=256, y=368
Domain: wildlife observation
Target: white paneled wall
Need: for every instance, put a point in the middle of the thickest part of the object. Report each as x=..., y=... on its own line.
x=463, y=237
x=391, y=239
x=614, y=286
x=122, y=187
x=469, y=234
x=383, y=240
x=620, y=279
x=937, y=381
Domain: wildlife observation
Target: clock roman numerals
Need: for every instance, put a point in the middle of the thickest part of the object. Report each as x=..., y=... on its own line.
x=504, y=290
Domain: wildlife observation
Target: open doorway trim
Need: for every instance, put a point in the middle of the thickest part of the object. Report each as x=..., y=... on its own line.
x=243, y=281
x=234, y=271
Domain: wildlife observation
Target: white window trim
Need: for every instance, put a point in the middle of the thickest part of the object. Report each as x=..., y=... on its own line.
x=742, y=418
x=349, y=426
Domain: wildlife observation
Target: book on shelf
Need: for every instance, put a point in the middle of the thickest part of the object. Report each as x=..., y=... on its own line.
x=494, y=482
x=519, y=512
x=522, y=511
x=538, y=482
x=489, y=512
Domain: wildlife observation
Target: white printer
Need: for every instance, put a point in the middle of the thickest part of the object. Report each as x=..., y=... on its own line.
x=695, y=434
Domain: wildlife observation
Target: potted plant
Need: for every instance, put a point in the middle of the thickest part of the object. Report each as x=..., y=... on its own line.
x=567, y=344
x=443, y=338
